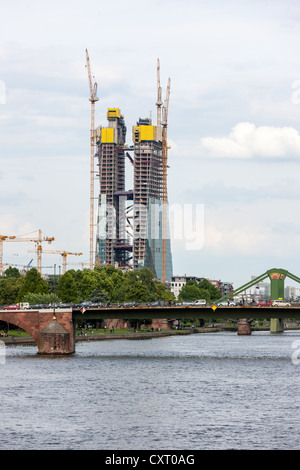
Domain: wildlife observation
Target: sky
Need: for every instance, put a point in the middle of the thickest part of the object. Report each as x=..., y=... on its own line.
x=233, y=124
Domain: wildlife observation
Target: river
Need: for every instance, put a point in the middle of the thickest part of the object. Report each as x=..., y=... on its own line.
x=210, y=391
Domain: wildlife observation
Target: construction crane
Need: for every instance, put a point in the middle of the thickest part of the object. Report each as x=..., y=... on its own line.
x=64, y=255
x=159, y=102
x=2, y=239
x=28, y=265
x=93, y=98
x=37, y=240
x=162, y=120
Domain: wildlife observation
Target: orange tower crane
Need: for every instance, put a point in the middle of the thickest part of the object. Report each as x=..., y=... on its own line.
x=93, y=98
x=37, y=240
x=64, y=255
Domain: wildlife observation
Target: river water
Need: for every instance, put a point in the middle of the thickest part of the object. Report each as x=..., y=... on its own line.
x=209, y=391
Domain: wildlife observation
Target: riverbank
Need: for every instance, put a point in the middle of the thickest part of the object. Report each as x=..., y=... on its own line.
x=145, y=335
x=10, y=340
x=89, y=336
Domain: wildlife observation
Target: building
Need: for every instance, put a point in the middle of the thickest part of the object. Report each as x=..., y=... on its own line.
x=291, y=292
x=133, y=225
x=178, y=282
x=139, y=242
x=148, y=243
x=261, y=291
x=113, y=246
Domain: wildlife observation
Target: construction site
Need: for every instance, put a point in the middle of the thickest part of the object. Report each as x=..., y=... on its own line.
x=129, y=228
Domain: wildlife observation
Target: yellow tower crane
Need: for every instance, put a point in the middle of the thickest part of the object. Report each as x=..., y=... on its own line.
x=64, y=255
x=37, y=240
x=162, y=120
x=93, y=98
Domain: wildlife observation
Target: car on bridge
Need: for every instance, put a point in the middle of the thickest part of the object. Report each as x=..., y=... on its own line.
x=11, y=307
x=226, y=303
x=264, y=303
x=281, y=303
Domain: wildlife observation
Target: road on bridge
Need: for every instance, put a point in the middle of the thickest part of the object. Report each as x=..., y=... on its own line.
x=186, y=312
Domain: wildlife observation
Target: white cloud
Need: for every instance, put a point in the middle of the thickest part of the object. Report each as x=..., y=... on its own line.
x=246, y=140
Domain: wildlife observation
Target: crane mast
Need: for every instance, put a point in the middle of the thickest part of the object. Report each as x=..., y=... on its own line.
x=93, y=98
x=159, y=100
x=165, y=110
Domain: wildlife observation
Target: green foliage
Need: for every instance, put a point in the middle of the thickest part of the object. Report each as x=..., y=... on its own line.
x=98, y=296
x=12, y=272
x=208, y=286
x=40, y=298
x=193, y=290
x=32, y=283
x=103, y=284
x=66, y=288
x=9, y=289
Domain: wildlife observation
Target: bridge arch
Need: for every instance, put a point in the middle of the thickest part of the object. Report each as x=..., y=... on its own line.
x=45, y=328
x=14, y=318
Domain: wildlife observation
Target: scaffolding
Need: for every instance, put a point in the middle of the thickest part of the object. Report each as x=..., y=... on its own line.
x=112, y=246
x=148, y=244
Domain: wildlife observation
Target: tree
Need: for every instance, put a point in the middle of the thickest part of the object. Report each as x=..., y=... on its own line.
x=194, y=290
x=99, y=296
x=208, y=286
x=9, y=289
x=162, y=292
x=137, y=292
x=87, y=284
x=12, y=272
x=32, y=282
x=67, y=288
x=190, y=291
x=40, y=298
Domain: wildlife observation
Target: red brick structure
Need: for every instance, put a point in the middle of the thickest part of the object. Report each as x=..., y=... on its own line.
x=244, y=327
x=51, y=335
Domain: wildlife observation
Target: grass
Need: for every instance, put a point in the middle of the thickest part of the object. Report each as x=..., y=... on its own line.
x=18, y=333
x=108, y=331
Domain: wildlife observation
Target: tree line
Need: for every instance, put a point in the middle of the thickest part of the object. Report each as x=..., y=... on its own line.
x=102, y=284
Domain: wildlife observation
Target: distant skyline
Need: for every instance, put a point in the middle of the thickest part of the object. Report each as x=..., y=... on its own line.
x=233, y=128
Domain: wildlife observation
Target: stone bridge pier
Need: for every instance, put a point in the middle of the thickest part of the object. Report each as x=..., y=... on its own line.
x=244, y=326
x=53, y=332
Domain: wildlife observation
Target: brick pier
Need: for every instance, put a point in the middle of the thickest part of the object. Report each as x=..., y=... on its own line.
x=53, y=332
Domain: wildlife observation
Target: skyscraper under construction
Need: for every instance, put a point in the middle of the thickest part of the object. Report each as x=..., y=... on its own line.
x=112, y=243
x=133, y=226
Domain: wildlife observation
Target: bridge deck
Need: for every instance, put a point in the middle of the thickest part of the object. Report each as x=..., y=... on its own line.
x=188, y=312
x=172, y=312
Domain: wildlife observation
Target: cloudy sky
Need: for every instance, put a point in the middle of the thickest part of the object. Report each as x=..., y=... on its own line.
x=233, y=128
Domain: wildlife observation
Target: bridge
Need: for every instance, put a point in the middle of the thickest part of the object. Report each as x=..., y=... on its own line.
x=54, y=330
